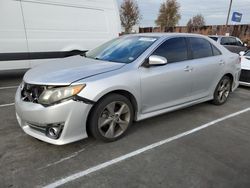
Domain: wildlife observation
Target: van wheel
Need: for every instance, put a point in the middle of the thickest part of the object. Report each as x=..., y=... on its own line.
x=111, y=118
x=222, y=91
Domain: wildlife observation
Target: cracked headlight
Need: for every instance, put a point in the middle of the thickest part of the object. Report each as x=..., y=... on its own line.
x=55, y=95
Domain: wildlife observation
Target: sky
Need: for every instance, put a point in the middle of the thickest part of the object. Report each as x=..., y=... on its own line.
x=214, y=11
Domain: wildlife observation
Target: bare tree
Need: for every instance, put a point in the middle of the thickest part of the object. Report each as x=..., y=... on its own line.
x=129, y=14
x=169, y=15
x=190, y=25
x=196, y=22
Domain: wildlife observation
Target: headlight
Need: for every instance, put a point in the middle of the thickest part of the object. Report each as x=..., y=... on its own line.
x=54, y=95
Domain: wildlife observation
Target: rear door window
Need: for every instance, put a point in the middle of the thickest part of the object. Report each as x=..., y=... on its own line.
x=225, y=41
x=200, y=48
x=232, y=41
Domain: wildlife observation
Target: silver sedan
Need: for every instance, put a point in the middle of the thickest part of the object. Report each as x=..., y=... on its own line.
x=128, y=79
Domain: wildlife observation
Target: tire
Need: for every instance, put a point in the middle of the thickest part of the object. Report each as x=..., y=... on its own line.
x=222, y=91
x=111, y=118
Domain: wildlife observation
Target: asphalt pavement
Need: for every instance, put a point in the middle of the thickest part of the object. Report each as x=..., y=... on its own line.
x=214, y=156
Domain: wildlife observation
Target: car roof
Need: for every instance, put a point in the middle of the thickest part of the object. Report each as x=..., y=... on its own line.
x=217, y=36
x=220, y=36
x=168, y=34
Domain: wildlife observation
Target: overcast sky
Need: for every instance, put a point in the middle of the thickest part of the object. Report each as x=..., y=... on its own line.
x=214, y=11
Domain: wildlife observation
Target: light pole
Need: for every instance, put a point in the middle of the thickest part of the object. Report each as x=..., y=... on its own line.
x=229, y=11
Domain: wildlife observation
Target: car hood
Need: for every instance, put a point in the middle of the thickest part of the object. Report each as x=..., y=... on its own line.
x=245, y=63
x=68, y=70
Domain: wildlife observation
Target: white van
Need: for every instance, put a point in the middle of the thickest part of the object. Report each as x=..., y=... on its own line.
x=36, y=29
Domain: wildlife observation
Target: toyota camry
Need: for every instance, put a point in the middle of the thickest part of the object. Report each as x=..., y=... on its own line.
x=127, y=79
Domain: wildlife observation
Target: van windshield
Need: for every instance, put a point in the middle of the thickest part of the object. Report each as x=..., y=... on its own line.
x=122, y=50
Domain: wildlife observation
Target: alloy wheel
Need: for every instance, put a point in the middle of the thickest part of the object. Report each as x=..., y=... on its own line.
x=223, y=90
x=114, y=119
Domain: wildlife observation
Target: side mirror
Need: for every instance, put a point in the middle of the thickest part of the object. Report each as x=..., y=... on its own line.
x=242, y=53
x=155, y=60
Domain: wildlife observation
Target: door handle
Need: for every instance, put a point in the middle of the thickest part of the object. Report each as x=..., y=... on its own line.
x=188, y=69
x=222, y=62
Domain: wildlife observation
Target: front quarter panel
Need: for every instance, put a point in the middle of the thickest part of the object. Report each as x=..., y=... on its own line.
x=126, y=78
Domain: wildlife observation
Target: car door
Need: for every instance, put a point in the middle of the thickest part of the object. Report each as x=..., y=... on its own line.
x=168, y=85
x=208, y=67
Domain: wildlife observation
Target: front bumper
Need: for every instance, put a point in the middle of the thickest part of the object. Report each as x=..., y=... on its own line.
x=71, y=114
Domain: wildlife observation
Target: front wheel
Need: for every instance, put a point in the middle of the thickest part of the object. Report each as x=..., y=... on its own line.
x=111, y=117
x=222, y=91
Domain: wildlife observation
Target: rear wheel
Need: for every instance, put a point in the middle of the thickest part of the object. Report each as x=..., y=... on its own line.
x=111, y=117
x=222, y=91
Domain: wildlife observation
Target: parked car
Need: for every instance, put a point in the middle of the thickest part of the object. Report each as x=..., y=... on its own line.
x=127, y=79
x=233, y=44
x=37, y=29
x=245, y=68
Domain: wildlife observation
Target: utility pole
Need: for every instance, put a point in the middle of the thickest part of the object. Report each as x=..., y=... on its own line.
x=229, y=11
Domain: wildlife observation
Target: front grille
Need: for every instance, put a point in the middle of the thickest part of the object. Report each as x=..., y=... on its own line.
x=31, y=93
x=245, y=76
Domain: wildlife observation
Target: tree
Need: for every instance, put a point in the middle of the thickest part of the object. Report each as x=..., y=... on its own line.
x=190, y=25
x=196, y=22
x=169, y=15
x=129, y=14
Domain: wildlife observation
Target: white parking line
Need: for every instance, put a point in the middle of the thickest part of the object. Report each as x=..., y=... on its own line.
x=5, y=105
x=8, y=87
x=139, y=151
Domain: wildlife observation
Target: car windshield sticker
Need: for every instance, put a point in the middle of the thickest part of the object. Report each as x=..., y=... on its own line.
x=131, y=58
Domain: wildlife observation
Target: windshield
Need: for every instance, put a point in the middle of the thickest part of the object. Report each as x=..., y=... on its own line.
x=122, y=50
x=247, y=53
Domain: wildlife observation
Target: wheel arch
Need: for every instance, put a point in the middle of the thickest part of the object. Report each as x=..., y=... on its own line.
x=122, y=92
x=231, y=78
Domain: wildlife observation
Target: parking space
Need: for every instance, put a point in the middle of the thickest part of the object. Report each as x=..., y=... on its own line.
x=215, y=156
x=8, y=79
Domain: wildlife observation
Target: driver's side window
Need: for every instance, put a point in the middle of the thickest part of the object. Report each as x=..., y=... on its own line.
x=174, y=50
